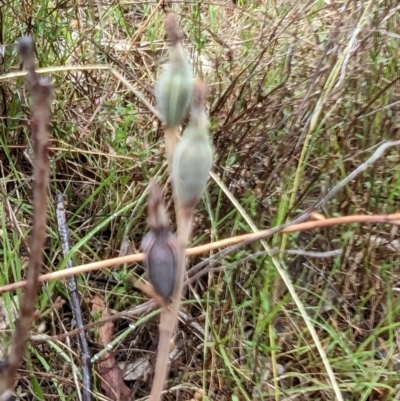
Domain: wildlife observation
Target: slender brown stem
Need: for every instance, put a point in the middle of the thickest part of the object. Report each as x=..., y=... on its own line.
x=171, y=136
x=166, y=330
x=42, y=94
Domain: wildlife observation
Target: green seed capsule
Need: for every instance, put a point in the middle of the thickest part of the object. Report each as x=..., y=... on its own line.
x=173, y=89
x=193, y=155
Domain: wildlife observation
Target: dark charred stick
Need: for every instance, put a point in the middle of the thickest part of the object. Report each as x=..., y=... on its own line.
x=42, y=94
x=75, y=301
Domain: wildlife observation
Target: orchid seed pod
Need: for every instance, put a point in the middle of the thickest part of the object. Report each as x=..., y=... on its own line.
x=193, y=157
x=160, y=247
x=174, y=86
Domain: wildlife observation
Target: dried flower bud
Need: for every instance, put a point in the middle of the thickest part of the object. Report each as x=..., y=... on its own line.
x=160, y=247
x=174, y=86
x=156, y=215
x=193, y=155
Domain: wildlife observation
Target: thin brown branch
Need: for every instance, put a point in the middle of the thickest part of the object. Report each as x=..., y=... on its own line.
x=75, y=301
x=240, y=241
x=42, y=93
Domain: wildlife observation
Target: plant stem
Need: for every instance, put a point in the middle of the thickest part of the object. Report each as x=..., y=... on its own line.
x=171, y=139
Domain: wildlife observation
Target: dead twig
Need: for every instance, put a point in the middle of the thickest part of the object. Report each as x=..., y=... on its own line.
x=42, y=94
x=75, y=301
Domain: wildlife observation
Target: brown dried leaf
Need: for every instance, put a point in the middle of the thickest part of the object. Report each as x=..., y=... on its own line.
x=112, y=382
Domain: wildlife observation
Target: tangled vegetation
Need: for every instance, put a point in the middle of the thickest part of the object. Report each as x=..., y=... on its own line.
x=300, y=94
